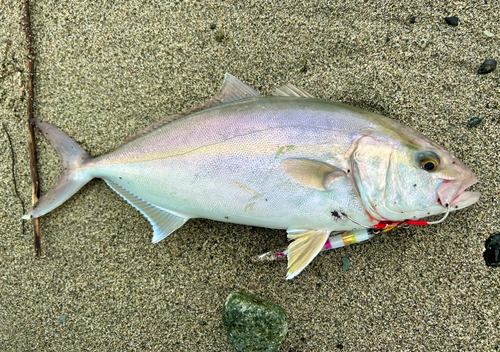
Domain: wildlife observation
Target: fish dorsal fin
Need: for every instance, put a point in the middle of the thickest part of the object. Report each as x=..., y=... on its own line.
x=312, y=173
x=289, y=90
x=232, y=90
x=305, y=247
x=163, y=222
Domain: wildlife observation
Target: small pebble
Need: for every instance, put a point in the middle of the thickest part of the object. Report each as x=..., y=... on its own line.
x=488, y=34
x=475, y=121
x=412, y=20
x=253, y=324
x=423, y=43
x=487, y=67
x=219, y=36
x=62, y=319
x=452, y=21
x=213, y=26
x=304, y=66
x=346, y=263
x=63, y=22
x=492, y=251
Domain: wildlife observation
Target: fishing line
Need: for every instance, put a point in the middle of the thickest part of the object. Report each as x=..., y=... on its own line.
x=384, y=225
x=357, y=223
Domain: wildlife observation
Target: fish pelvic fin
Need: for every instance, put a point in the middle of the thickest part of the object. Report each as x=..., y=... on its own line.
x=305, y=247
x=163, y=222
x=73, y=177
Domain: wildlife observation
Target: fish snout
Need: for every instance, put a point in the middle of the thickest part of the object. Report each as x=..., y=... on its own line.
x=452, y=193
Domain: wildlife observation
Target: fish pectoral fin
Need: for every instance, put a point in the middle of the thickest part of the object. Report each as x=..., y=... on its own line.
x=289, y=90
x=163, y=222
x=305, y=247
x=312, y=173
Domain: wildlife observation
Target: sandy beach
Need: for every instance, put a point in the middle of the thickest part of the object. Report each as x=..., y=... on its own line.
x=105, y=71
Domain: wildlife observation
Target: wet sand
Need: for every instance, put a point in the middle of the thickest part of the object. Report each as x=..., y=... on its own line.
x=104, y=72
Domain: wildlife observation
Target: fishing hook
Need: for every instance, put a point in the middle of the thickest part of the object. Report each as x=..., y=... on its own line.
x=443, y=219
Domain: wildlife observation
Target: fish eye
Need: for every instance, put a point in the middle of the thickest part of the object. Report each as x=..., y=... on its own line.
x=429, y=166
x=429, y=161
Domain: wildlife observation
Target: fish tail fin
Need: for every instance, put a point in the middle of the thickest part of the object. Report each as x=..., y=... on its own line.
x=73, y=176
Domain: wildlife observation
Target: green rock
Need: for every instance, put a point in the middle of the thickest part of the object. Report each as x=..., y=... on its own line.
x=253, y=324
x=488, y=34
x=346, y=263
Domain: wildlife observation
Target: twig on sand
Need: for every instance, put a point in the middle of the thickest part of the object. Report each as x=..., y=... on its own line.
x=29, y=116
x=14, y=171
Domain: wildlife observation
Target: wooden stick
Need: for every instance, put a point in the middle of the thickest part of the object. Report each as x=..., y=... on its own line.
x=31, y=130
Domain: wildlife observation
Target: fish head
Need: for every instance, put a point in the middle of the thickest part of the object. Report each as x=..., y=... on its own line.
x=401, y=179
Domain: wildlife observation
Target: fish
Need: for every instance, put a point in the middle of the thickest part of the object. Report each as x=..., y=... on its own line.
x=286, y=161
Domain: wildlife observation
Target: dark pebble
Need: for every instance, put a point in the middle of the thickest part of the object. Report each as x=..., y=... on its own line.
x=340, y=346
x=423, y=43
x=487, y=67
x=412, y=20
x=492, y=251
x=304, y=66
x=475, y=121
x=219, y=36
x=452, y=21
x=213, y=26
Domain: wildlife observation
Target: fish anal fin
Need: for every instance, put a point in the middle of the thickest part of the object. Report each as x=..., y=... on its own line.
x=289, y=90
x=305, y=247
x=232, y=90
x=312, y=173
x=163, y=222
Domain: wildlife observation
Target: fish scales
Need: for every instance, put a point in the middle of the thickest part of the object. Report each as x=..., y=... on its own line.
x=184, y=163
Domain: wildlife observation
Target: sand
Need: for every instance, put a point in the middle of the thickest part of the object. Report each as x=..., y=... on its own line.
x=105, y=71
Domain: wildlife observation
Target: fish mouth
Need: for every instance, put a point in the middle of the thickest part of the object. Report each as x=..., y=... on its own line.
x=452, y=193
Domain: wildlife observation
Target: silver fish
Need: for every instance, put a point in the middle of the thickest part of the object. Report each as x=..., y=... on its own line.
x=287, y=161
